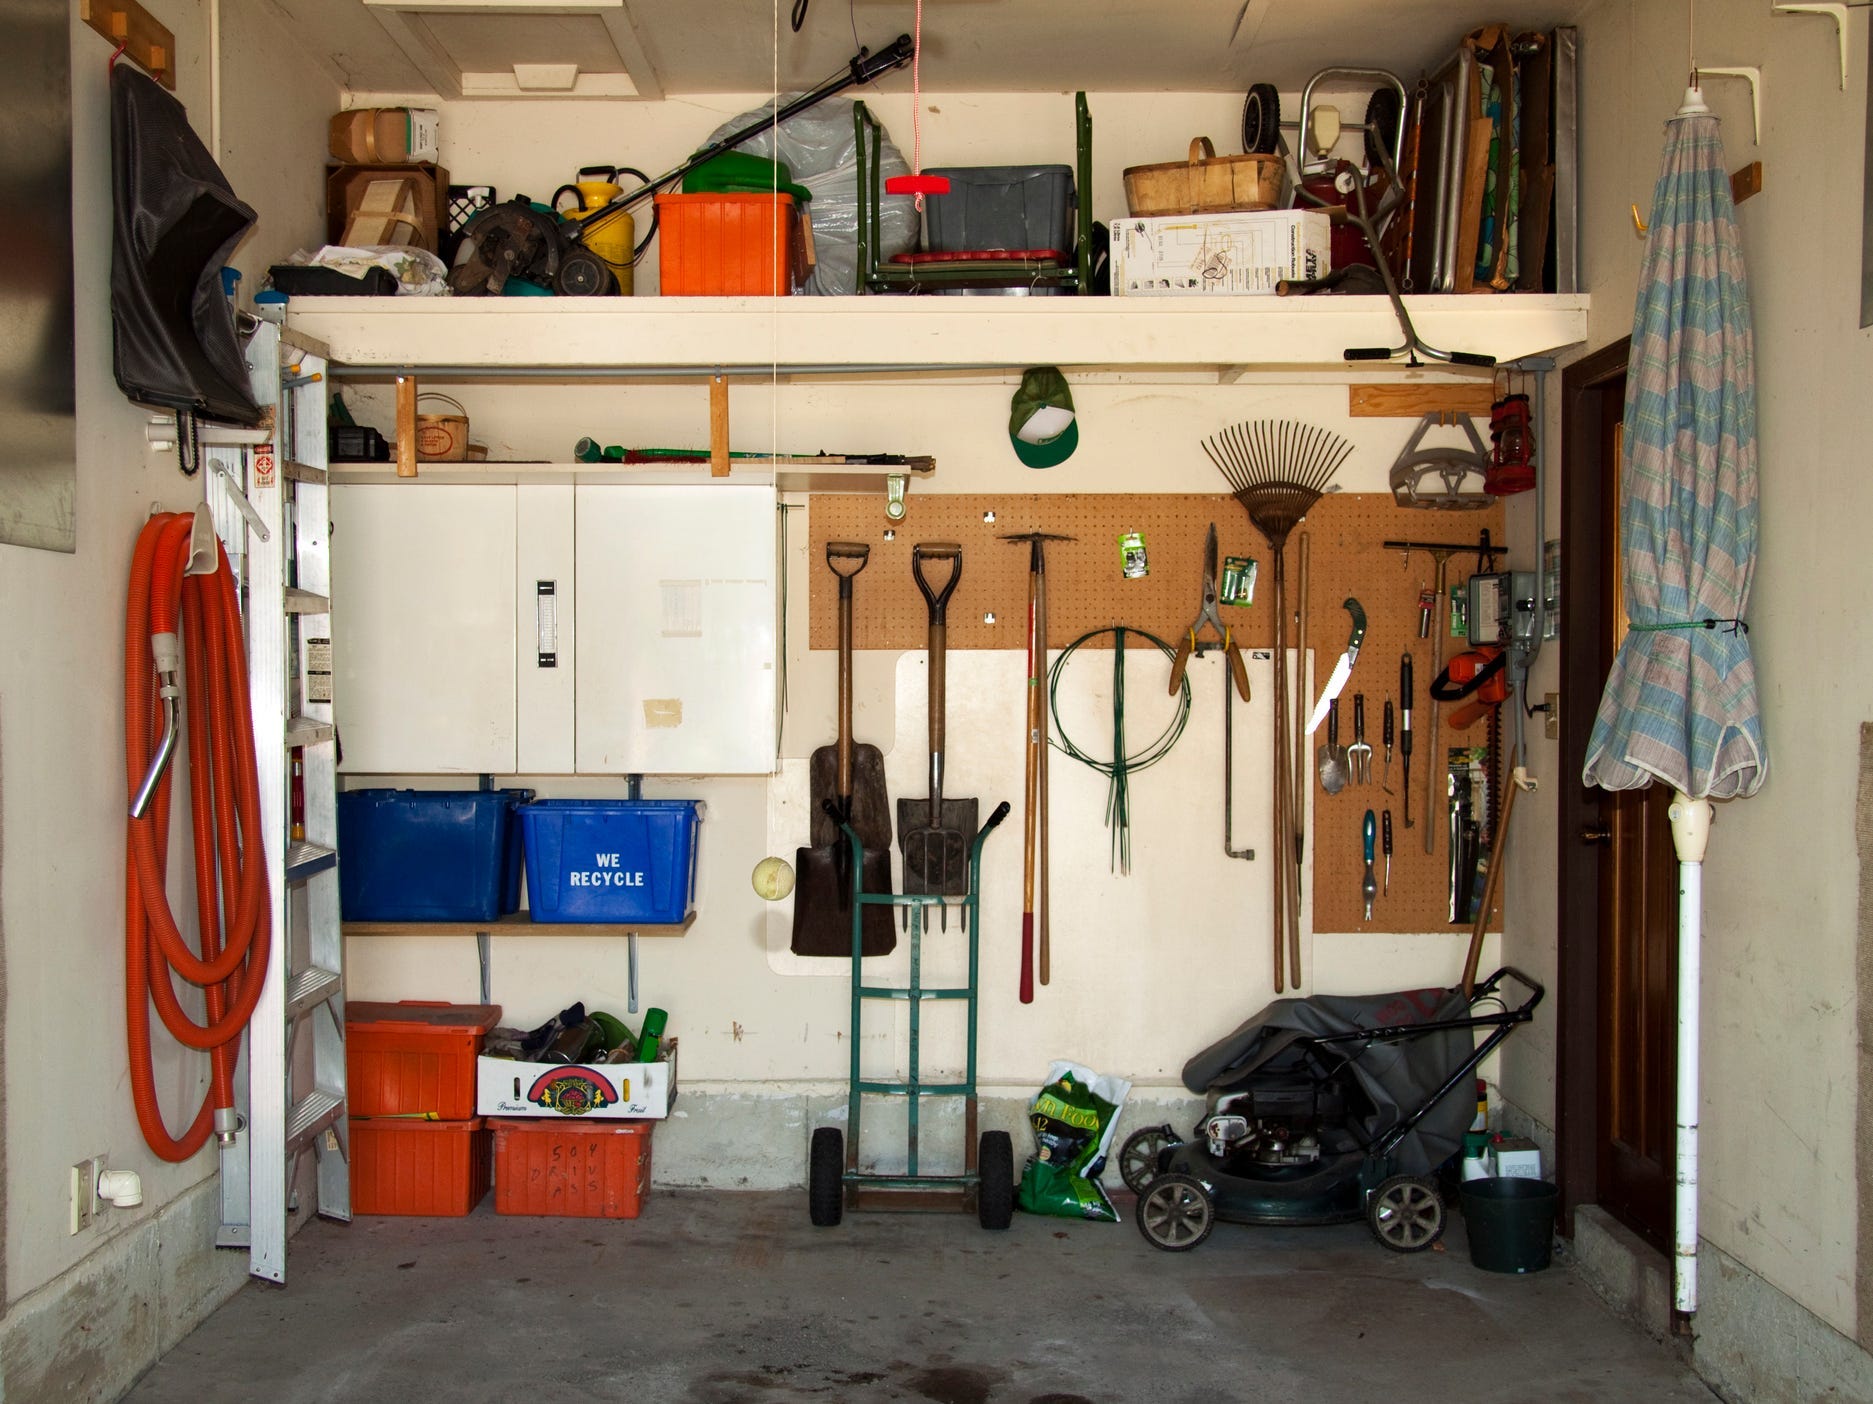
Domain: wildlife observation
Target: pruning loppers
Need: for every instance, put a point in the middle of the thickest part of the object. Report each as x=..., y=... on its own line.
x=1208, y=618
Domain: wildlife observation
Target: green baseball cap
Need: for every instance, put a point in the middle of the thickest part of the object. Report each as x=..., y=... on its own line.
x=1041, y=423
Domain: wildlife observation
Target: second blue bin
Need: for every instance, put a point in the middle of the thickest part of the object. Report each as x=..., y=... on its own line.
x=428, y=855
x=611, y=860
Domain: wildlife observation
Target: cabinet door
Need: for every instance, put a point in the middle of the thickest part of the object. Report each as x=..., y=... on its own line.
x=423, y=627
x=676, y=629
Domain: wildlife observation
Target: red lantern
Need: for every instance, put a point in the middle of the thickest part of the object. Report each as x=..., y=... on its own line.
x=1512, y=456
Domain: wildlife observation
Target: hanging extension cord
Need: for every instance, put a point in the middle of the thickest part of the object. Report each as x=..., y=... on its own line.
x=178, y=624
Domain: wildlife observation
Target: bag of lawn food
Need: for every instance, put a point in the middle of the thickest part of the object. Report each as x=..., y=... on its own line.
x=1074, y=1118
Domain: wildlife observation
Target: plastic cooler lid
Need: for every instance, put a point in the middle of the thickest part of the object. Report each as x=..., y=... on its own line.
x=417, y=1015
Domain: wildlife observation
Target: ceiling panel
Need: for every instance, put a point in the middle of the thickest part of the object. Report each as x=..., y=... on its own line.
x=707, y=46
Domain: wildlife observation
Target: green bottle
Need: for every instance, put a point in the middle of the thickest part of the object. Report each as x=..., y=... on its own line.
x=652, y=1036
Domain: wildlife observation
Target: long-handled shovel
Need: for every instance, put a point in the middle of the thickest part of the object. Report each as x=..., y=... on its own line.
x=935, y=833
x=822, y=908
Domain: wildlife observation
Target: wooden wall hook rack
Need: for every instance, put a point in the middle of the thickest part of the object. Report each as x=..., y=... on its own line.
x=129, y=26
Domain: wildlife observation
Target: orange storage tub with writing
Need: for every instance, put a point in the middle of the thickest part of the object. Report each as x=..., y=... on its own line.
x=406, y=1165
x=414, y=1058
x=591, y=1170
x=730, y=245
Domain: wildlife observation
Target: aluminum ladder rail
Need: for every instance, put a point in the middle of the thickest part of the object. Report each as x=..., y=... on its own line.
x=295, y=1056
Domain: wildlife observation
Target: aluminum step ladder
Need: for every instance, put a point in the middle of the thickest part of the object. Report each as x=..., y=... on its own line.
x=295, y=1054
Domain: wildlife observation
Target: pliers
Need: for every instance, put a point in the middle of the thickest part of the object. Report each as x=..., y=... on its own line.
x=1208, y=618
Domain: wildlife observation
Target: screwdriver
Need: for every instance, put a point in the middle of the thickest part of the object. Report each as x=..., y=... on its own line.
x=1369, y=888
x=1385, y=838
x=1385, y=782
x=1404, y=729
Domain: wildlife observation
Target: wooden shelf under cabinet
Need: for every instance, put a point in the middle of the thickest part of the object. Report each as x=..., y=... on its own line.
x=516, y=924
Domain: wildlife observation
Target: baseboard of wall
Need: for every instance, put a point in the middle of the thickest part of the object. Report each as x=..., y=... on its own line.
x=756, y=1139
x=91, y=1331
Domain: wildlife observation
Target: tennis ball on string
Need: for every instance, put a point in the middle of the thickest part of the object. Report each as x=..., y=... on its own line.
x=773, y=878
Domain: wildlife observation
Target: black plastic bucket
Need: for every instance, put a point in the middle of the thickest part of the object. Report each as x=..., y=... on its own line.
x=1511, y=1223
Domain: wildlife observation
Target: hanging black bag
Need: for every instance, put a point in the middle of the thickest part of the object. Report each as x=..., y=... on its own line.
x=176, y=222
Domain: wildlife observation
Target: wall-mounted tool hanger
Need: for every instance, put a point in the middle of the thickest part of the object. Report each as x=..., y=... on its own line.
x=136, y=33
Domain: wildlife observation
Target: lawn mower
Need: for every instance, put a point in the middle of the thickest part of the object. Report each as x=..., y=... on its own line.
x=1325, y=1110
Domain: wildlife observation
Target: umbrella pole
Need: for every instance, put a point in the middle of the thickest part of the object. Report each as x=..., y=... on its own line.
x=1690, y=830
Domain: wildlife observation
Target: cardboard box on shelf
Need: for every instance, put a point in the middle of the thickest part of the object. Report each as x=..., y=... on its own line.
x=596, y=1091
x=420, y=213
x=1210, y=255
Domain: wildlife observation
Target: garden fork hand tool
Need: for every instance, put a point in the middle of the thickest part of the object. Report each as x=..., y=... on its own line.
x=1208, y=618
x=1359, y=754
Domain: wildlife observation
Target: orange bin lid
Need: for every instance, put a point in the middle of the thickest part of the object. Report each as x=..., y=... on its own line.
x=423, y=1016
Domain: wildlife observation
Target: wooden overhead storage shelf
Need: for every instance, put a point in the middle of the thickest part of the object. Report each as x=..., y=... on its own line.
x=907, y=337
x=517, y=924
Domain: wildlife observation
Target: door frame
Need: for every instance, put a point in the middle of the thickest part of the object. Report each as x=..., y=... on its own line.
x=1585, y=555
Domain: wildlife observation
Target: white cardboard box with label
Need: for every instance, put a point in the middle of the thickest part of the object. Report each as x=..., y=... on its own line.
x=1244, y=254
x=595, y=1091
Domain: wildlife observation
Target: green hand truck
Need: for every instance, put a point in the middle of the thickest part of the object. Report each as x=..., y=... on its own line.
x=987, y=1181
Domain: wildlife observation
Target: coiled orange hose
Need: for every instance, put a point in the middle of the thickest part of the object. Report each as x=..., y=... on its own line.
x=233, y=904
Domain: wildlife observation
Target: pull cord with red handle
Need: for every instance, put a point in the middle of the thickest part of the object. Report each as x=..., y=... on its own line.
x=188, y=627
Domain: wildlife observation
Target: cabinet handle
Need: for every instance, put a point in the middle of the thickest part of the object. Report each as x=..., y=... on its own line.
x=546, y=618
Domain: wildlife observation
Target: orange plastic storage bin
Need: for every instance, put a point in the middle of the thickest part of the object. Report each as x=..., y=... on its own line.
x=405, y=1166
x=596, y=1170
x=730, y=245
x=414, y=1057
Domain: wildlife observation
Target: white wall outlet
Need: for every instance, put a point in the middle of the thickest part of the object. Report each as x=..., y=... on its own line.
x=84, y=1193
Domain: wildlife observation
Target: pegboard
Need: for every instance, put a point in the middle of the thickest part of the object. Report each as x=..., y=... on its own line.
x=1086, y=590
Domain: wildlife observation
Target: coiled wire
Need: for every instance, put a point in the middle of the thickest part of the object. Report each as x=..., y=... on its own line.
x=1123, y=764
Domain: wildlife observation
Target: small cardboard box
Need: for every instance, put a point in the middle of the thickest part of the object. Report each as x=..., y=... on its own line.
x=1516, y=1158
x=598, y=1091
x=1221, y=254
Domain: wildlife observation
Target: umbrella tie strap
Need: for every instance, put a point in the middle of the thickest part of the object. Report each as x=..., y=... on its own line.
x=1735, y=626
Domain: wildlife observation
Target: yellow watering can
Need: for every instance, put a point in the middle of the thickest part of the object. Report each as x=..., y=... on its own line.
x=610, y=235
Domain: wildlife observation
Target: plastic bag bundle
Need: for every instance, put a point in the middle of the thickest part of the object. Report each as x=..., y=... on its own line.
x=821, y=150
x=1074, y=1118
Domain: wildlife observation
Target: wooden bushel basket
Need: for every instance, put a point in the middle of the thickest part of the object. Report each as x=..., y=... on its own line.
x=1205, y=184
x=442, y=438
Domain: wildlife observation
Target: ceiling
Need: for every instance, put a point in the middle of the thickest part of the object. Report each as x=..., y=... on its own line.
x=661, y=48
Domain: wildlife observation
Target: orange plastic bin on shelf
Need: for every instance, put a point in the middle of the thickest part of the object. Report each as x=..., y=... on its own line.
x=414, y=1058
x=585, y=1170
x=730, y=245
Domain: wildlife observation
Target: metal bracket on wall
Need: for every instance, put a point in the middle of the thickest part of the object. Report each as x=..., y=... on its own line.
x=1838, y=13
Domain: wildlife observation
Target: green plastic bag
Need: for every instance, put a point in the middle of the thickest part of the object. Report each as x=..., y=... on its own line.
x=1074, y=1117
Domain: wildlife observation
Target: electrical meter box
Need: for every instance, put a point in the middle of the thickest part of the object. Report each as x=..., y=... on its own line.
x=1502, y=607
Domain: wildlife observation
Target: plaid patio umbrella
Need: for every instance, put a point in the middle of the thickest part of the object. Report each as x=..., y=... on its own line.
x=1680, y=705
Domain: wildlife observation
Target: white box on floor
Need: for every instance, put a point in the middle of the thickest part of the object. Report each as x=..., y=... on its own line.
x=1515, y=1158
x=598, y=1091
x=1210, y=255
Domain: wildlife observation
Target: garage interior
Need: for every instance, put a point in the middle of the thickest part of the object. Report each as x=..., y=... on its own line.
x=234, y=1270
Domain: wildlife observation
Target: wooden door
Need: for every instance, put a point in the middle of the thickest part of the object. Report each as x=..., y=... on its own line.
x=1617, y=868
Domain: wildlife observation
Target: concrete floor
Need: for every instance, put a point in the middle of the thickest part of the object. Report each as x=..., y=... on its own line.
x=724, y=1298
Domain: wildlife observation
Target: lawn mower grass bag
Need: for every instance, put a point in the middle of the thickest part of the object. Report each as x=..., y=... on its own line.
x=1074, y=1118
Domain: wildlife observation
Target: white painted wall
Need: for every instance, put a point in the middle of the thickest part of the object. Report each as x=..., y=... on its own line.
x=61, y=704
x=1779, y=1102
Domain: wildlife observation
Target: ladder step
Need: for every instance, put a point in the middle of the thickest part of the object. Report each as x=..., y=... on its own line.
x=308, y=731
x=301, y=472
x=311, y=1115
x=310, y=988
x=923, y=1089
x=305, y=859
x=305, y=602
